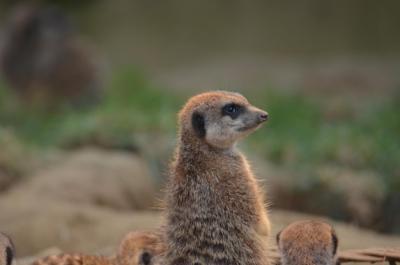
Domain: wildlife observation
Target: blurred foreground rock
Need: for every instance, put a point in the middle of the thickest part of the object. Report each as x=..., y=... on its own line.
x=36, y=224
x=115, y=180
x=354, y=196
x=11, y=154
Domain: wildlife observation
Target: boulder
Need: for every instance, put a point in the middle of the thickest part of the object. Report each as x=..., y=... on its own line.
x=116, y=180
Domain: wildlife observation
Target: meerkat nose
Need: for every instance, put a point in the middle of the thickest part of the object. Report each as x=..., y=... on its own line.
x=263, y=116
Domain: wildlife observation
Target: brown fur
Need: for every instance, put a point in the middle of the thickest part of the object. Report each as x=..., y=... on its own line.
x=215, y=208
x=136, y=245
x=74, y=259
x=7, y=250
x=136, y=248
x=308, y=243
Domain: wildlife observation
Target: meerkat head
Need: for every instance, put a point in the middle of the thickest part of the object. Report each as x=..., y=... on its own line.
x=140, y=248
x=7, y=250
x=308, y=242
x=219, y=118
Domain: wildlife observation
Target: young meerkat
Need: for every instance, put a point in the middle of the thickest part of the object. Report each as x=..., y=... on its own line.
x=141, y=248
x=7, y=250
x=215, y=212
x=308, y=243
x=136, y=248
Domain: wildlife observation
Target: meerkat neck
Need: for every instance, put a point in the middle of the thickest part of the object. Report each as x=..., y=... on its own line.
x=195, y=157
x=196, y=152
x=190, y=145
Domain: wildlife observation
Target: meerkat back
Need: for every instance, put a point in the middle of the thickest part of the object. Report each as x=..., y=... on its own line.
x=136, y=248
x=73, y=259
x=308, y=242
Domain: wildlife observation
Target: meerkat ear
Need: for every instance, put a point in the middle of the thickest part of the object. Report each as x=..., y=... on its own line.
x=9, y=256
x=198, y=124
x=335, y=241
x=278, y=237
x=145, y=258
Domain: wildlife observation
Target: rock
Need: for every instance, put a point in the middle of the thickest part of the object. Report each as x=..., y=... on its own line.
x=95, y=177
x=341, y=193
x=11, y=154
x=36, y=224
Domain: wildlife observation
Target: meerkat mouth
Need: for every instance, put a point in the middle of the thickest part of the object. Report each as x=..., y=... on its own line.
x=249, y=127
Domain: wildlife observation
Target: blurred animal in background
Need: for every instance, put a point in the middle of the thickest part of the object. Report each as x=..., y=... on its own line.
x=136, y=248
x=74, y=259
x=7, y=250
x=308, y=243
x=142, y=248
x=44, y=61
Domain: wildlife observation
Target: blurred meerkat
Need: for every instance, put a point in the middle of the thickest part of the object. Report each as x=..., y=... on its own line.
x=136, y=248
x=308, y=243
x=7, y=250
x=43, y=59
x=142, y=248
x=215, y=208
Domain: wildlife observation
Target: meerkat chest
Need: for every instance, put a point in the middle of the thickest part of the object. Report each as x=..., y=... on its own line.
x=222, y=196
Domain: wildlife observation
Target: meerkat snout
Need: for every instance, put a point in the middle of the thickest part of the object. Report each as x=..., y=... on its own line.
x=308, y=243
x=263, y=116
x=7, y=250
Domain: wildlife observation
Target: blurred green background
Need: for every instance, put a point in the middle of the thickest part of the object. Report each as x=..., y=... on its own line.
x=328, y=73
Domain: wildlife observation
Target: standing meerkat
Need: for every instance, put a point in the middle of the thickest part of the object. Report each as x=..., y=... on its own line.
x=7, y=250
x=308, y=243
x=214, y=206
x=136, y=248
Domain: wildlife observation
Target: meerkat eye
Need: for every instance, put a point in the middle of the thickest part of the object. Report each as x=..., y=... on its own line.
x=145, y=258
x=233, y=110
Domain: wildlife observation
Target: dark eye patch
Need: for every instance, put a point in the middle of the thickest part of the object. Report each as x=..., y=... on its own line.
x=198, y=124
x=9, y=256
x=233, y=110
x=145, y=258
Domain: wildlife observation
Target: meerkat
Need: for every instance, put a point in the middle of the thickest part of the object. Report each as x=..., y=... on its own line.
x=7, y=250
x=215, y=210
x=308, y=242
x=141, y=248
x=136, y=248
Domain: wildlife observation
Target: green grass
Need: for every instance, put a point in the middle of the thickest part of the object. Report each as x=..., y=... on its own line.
x=129, y=105
x=299, y=134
